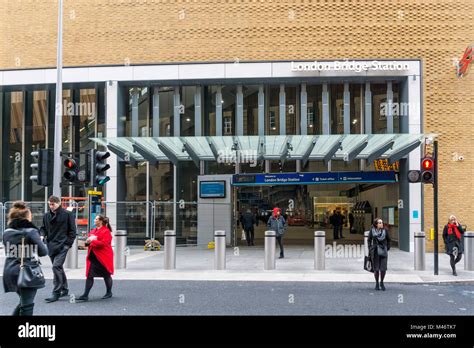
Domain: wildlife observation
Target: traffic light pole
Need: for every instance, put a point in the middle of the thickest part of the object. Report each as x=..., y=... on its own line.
x=435, y=206
x=58, y=127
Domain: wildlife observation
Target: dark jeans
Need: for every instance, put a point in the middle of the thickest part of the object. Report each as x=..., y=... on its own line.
x=59, y=280
x=249, y=235
x=335, y=232
x=280, y=243
x=26, y=305
x=340, y=231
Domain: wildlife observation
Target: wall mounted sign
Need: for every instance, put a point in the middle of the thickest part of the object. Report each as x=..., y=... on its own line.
x=313, y=178
x=347, y=65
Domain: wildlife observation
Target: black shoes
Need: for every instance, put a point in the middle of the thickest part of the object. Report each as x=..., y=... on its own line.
x=455, y=274
x=53, y=298
x=281, y=257
x=377, y=287
x=382, y=286
x=107, y=295
x=64, y=293
x=82, y=298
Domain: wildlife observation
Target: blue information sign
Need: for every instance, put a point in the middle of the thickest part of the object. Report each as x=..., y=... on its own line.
x=313, y=178
x=212, y=189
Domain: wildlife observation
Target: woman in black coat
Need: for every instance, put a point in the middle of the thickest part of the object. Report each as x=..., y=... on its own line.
x=379, y=245
x=19, y=225
x=454, y=242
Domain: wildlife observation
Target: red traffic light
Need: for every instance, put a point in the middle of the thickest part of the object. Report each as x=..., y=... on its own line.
x=70, y=163
x=427, y=164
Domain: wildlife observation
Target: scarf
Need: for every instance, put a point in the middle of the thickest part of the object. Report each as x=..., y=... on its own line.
x=454, y=227
x=379, y=234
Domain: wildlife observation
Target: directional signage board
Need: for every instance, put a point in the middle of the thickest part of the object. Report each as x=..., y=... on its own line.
x=313, y=178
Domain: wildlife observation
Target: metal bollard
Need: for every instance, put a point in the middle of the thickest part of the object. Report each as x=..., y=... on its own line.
x=469, y=251
x=420, y=254
x=270, y=241
x=319, y=245
x=71, y=257
x=366, y=243
x=219, y=250
x=170, y=249
x=120, y=255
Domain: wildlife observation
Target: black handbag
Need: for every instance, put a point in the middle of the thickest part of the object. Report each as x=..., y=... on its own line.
x=381, y=251
x=368, y=266
x=30, y=276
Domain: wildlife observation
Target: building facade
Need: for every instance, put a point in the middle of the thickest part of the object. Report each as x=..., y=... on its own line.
x=219, y=69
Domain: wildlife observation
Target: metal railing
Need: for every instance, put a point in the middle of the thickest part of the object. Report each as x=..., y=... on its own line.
x=141, y=220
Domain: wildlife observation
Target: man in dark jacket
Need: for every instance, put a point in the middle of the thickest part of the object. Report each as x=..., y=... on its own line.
x=333, y=220
x=277, y=223
x=59, y=229
x=248, y=220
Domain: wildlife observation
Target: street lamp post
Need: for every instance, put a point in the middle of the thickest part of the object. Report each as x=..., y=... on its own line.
x=58, y=129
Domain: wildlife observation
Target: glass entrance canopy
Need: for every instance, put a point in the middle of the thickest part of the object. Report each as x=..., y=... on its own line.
x=346, y=147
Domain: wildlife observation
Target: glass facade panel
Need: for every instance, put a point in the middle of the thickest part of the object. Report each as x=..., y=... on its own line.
x=166, y=111
x=356, y=104
x=13, y=179
x=38, y=130
x=186, y=110
x=250, y=109
x=272, y=110
x=229, y=98
x=315, y=109
x=336, y=110
x=209, y=107
x=379, y=100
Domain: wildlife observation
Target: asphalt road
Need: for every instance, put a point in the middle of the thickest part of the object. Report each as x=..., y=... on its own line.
x=151, y=297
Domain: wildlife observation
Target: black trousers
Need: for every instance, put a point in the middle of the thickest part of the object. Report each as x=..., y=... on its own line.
x=280, y=243
x=335, y=232
x=59, y=280
x=249, y=235
x=27, y=302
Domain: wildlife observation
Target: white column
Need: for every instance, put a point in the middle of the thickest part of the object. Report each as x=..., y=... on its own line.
x=304, y=110
x=111, y=124
x=219, y=111
x=368, y=109
x=414, y=126
x=261, y=111
x=197, y=112
x=325, y=99
x=239, y=112
x=347, y=109
x=282, y=98
x=389, y=108
x=176, y=113
x=156, y=113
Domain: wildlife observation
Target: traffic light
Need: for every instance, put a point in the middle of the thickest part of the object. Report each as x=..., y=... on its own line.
x=98, y=167
x=42, y=167
x=71, y=170
x=427, y=170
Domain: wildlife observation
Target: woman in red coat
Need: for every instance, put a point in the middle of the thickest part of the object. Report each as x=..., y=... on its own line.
x=100, y=257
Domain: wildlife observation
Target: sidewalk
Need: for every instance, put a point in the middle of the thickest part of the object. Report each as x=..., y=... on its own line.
x=246, y=264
